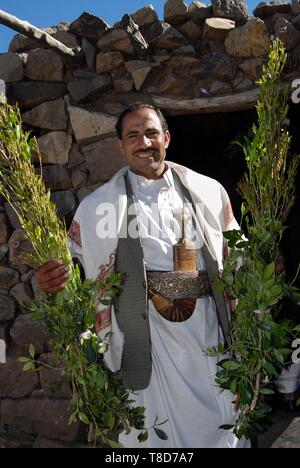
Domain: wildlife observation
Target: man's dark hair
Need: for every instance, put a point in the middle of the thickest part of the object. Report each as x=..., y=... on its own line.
x=134, y=107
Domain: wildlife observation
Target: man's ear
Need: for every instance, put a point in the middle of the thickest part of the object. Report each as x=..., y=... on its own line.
x=167, y=139
x=120, y=145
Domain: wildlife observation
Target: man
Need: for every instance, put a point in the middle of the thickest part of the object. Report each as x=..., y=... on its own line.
x=131, y=224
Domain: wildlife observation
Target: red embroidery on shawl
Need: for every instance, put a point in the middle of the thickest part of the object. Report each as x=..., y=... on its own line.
x=103, y=319
x=74, y=233
x=228, y=214
x=106, y=270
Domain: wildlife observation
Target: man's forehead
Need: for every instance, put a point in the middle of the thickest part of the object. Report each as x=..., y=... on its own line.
x=141, y=118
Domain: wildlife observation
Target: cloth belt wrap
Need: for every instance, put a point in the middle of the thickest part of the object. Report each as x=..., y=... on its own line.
x=131, y=305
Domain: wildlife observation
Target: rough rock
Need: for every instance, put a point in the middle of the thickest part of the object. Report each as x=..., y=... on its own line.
x=220, y=87
x=217, y=28
x=174, y=85
x=122, y=81
x=231, y=9
x=252, y=68
x=55, y=147
x=51, y=115
x=66, y=38
x=7, y=310
x=139, y=71
x=19, y=247
x=4, y=228
x=56, y=177
x=118, y=40
x=12, y=216
x=90, y=126
x=175, y=11
x=14, y=383
x=295, y=7
x=29, y=94
x=75, y=157
x=198, y=11
x=48, y=418
x=89, y=52
x=145, y=16
x=11, y=67
x=165, y=36
x=220, y=67
x=79, y=176
x=3, y=252
x=22, y=292
x=192, y=31
x=241, y=85
x=65, y=203
x=87, y=84
x=26, y=331
x=264, y=10
x=42, y=443
x=89, y=26
x=8, y=277
x=54, y=385
x=21, y=43
x=103, y=159
x=44, y=65
x=250, y=40
x=287, y=33
x=108, y=61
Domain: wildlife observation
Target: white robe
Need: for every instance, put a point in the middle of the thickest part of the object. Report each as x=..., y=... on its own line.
x=182, y=388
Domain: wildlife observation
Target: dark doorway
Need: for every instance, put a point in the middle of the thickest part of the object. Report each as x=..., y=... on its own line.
x=202, y=143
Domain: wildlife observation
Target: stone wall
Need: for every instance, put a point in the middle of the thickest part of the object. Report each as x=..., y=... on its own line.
x=186, y=64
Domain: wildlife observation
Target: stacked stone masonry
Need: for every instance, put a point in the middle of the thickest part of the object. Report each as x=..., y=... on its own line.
x=71, y=104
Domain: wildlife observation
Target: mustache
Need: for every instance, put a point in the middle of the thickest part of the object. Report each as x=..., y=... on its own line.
x=149, y=150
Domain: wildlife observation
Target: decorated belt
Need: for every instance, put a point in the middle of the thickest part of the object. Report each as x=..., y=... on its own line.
x=179, y=285
x=174, y=294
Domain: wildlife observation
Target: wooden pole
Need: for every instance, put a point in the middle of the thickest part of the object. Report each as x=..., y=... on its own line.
x=23, y=27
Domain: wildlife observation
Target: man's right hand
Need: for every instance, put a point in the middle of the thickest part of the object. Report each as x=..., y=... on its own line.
x=52, y=276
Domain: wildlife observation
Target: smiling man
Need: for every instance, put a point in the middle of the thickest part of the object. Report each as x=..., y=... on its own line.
x=164, y=318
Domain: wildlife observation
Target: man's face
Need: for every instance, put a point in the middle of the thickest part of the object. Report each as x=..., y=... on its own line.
x=144, y=143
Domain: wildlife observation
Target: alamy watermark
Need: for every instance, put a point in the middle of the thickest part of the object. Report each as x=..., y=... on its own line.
x=2, y=352
x=296, y=353
x=2, y=92
x=149, y=221
x=296, y=92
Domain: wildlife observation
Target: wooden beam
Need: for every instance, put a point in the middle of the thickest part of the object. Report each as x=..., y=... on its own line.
x=23, y=27
x=231, y=103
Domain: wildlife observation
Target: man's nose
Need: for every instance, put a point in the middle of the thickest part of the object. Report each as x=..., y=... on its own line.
x=145, y=141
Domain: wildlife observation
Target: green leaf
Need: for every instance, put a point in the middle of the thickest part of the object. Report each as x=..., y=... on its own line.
x=227, y=427
x=29, y=366
x=269, y=271
x=161, y=434
x=278, y=355
x=83, y=418
x=143, y=436
x=112, y=443
x=268, y=366
x=24, y=359
x=109, y=420
x=32, y=351
x=266, y=391
x=230, y=365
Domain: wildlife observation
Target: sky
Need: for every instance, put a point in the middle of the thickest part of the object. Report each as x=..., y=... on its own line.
x=48, y=13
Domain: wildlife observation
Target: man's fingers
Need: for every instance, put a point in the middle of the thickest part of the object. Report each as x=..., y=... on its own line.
x=56, y=289
x=53, y=274
x=45, y=283
x=51, y=265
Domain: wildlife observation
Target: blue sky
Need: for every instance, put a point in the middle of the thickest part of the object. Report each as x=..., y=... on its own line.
x=48, y=13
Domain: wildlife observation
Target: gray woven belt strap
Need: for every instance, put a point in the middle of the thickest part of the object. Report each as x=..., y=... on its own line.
x=179, y=285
